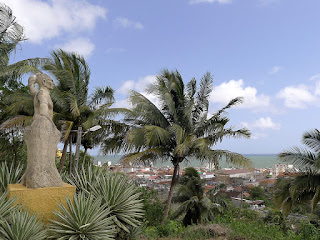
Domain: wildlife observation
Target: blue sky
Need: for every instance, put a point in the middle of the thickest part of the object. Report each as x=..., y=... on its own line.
x=264, y=50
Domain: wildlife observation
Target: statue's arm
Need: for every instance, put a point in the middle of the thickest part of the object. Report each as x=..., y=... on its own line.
x=31, y=87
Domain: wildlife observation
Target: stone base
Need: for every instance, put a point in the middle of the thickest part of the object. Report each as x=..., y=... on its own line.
x=41, y=201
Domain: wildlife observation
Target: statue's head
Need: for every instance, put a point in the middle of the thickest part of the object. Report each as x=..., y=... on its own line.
x=44, y=80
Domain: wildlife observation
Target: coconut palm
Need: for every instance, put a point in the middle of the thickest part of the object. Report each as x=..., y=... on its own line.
x=197, y=205
x=176, y=127
x=72, y=104
x=306, y=186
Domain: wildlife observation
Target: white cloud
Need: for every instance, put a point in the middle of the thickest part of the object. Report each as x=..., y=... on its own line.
x=275, y=69
x=315, y=77
x=265, y=123
x=82, y=46
x=299, y=96
x=47, y=20
x=226, y=91
x=126, y=23
x=139, y=85
x=210, y=1
x=262, y=123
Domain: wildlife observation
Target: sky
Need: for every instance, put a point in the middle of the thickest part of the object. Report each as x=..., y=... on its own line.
x=266, y=51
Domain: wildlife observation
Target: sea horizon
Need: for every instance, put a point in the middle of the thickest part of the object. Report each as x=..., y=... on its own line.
x=258, y=160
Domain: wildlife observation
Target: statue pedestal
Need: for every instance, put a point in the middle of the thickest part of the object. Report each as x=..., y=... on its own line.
x=41, y=201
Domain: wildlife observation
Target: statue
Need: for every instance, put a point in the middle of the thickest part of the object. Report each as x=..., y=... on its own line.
x=41, y=137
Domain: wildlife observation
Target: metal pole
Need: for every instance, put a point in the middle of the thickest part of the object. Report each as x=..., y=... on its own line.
x=77, y=154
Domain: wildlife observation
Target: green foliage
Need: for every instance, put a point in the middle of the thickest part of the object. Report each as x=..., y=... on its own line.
x=257, y=193
x=308, y=231
x=85, y=218
x=256, y=230
x=169, y=228
x=21, y=225
x=9, y=174
x=153, y=207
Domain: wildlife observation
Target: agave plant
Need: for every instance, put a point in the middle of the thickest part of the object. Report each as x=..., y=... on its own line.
x=84, y=218
x=22, y=225
x=6, y=206
x=9, y=174
x=122, y=197
x=84, y=179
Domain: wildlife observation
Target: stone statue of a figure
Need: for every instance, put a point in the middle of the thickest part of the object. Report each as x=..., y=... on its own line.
x=41, y=137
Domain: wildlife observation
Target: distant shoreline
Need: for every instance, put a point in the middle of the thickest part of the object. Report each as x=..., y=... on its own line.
x=259, y=161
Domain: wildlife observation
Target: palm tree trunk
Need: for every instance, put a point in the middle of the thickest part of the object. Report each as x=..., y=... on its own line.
x=241, y=203
x=70, y=155
x=63, y=157
x=173, y=182
x=84, y=157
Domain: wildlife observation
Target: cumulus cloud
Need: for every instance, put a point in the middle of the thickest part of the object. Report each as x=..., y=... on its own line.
x=226, y=91
x=262, y=123
x=82, y=46
x=138, y=85
x=126, y=23
x=265, y=123
x=299, y=96
x=274, y=70
x=210, y=1
x=46, y=20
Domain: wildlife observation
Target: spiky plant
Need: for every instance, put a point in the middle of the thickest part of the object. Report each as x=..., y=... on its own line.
x=86, y=178
x=122, y=197
x=6, y=206
x=84, y=218
x=9, y=174
x=21, y=225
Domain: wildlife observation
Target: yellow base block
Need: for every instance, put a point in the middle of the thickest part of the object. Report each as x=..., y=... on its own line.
x=41, y=201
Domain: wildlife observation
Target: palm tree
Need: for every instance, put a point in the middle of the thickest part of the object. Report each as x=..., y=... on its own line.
x=177, y=129
x=306, y=186
x=11, y=34
x=72, y=104
x=196, y=207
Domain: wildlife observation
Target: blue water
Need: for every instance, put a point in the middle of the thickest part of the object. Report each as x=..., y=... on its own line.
x=259, y=161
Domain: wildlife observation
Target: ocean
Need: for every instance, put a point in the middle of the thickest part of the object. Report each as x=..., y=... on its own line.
x=259, y=161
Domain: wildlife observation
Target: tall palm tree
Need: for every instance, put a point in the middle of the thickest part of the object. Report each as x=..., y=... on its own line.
x=72, y=104
x=306, y=186
x=11, y=34
x=177, y=128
